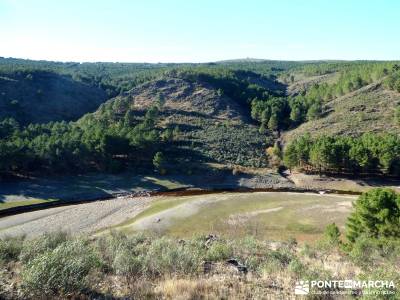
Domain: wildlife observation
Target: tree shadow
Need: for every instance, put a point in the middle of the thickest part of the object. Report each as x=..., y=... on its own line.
x=74, y=188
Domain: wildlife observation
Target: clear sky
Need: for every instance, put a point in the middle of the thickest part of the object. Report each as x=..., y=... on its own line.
x=199, y=30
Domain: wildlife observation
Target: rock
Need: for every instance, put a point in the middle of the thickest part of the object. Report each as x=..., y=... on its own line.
x=207, y=265
x=210, y=239
x=240, y=267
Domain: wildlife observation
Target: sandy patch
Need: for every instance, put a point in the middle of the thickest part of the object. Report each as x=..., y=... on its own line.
x=80, y=218
x=166, y=218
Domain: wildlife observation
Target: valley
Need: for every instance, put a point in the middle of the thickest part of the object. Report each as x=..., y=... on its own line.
x=230, y=179
x=229, y=126
x=264, y=215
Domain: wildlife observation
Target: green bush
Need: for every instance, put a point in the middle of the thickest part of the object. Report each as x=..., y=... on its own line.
x=63, y=270
x=10, y=249
x=250, y=252
x=219, y=251
x=166, y=256
x=385, y=273
x=298, y=268
x=332, y=234
x=308, y=251
x=279, y=259
x=112, y=246
x=370, y=253
x=127, y=263
x=35, y=247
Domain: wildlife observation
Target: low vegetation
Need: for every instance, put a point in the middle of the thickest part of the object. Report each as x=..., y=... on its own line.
x=149, y=266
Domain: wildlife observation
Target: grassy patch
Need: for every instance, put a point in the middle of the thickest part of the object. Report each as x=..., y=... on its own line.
x=157, y=206
x=264, y=215
x=6, y=205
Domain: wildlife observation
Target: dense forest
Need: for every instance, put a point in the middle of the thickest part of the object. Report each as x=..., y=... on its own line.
x=71, y=147
x=367, y=154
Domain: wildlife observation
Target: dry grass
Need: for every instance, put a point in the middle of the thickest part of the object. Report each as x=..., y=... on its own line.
x=266, y=215
x=369, y=109
x=273, y=268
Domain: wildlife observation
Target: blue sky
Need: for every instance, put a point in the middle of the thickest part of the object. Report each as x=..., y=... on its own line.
x=199, y=30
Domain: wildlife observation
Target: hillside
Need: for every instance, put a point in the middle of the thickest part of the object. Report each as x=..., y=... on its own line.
x=183, y=117
x=209, y=126
x=368, y=109
x=43, y=91
x=41, y=97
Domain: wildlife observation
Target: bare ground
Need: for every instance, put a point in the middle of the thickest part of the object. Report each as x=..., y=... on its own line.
x=316, y=182
x=80, y=218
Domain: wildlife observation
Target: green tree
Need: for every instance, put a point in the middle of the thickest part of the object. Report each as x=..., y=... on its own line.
x=273, y=122
x=332, y=234
x=296, y=115
x=263, y=128
x=290, y=157
x=376, y=215
x=315, y=111
x=159, y=161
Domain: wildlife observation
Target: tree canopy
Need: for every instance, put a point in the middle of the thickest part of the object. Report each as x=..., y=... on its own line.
x=369, y=153
x=376, y=215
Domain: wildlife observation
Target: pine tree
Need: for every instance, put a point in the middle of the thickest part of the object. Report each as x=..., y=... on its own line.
x=273, y=122
x=376, y=214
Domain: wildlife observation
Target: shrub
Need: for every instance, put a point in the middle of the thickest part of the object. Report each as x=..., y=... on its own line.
x=35, y=247
x=298, y=268
x=127, y=263
x=386, y=273
x=62, y=270
x=165, y=256
x=111, y=246
x=370, y=253
x=10, y=249
x=332, y=234
x=219, y=251
x=281, y=257
x=250, y=252
x=397, y=115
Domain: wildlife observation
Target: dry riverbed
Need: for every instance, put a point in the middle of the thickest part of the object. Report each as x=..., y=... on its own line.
x=268, y=215
x=79, y=218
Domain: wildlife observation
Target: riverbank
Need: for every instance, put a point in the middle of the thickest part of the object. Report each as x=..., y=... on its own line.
x=42, y=193
x=62, y=190
x=263, y=214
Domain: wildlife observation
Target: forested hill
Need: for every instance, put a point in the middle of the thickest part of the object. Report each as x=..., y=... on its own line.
x=43, y=91
x=41, y=97
x=176, y=117
x=176, y=122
